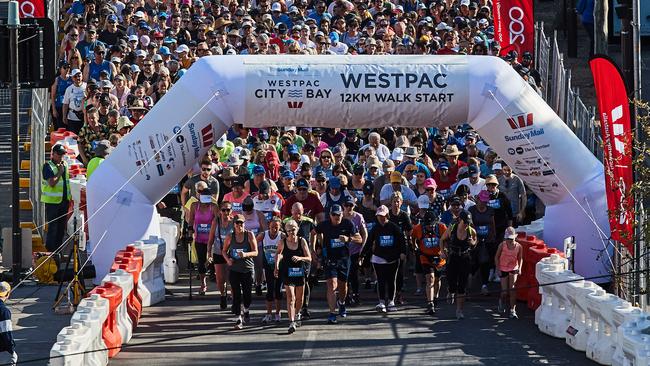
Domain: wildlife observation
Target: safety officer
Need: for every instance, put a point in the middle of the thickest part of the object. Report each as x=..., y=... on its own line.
x=55, y=194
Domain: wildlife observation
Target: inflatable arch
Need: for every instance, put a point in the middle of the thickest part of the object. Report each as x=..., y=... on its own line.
x=350, y=92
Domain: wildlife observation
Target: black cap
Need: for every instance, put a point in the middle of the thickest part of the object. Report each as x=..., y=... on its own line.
x=247, y=204
x=59, y=149
x=336, y=210
x=465, y=216
x=430, y=218
x=302, y=183
x=349, y=199
x=321, y=176
x=439, y=140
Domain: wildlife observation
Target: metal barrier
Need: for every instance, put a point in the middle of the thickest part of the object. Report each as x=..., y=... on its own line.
x=561, y=96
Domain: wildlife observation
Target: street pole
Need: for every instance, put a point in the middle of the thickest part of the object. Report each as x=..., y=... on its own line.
x=571, y=29
x=601, y=30
x=14, y=25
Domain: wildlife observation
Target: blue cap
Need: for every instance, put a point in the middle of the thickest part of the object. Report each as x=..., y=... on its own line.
x=258, y=169
x=164, y=50
x=473, y=171
x=292, y=149
x=335, y=183
x=334, y=37
x=288, y=174
x=349, y=199
x=336, y=210
x=162, y=14
x=443, y=165
x=112, y=18
x=169, y=40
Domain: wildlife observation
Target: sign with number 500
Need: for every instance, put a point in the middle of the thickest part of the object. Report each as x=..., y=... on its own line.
x=514, y=25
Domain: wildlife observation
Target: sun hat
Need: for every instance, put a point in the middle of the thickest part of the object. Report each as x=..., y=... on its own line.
x=452, y=150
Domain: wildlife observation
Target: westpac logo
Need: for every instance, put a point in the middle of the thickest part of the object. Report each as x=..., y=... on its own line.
x=293, y=105
x=521, y=121
x=207, y=136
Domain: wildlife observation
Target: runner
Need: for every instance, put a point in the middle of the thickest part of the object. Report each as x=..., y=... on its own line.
x=239, y=249
x=202, y=214
x=221, y=228
x=269, y=240
x=427, y=236
x=483, y=219
x=360, y=226
x=509, y=260
x=385, y=249
x=292, y=255
x=403, y=221
x=334, y=237
x=456, y=245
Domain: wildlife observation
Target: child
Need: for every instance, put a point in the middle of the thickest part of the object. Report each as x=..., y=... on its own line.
x=508, y=261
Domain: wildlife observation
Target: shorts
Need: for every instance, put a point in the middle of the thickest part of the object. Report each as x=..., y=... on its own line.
x=428, y=269
x=337, y=268
x=218, y=259
x=418, y=268
x=504, y=274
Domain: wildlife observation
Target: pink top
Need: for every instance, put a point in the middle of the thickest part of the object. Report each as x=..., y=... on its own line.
x=236, y=202
x=508, y=260
x=202, y=224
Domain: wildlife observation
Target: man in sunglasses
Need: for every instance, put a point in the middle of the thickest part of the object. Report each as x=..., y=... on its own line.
x=206, y=176
x=111, y=32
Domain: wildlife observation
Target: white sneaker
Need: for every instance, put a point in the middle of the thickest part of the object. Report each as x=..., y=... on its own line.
x=381, y=307
x=267, y=318
x=292, y=327
x=239, y=323
x=391, y=307
x=298, y=319
x=277, y=317
x=460, y=315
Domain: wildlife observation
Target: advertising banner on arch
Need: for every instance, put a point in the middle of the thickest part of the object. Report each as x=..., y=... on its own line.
x=32, y=9
x=514, y=26
x=617, y=142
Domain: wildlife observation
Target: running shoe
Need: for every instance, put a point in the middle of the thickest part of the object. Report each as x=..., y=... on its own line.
x=278, y=317
x=418, y=291
x=266, y=319
x=342, y=312
x=305, y=313
x=500, y=307
x=459, y=315
x=247, y=316
x=224, y=303
x=292, y=327
x=430, y=309
x=513, y=314
x=484, y=290
x=239, y=323
x=298, y=320
x=331, y=319
x=435, y=303
x=258, y=290
x=391, y=308
x=381, y=307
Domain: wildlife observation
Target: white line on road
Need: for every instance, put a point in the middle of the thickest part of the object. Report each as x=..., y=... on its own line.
x=311, y=338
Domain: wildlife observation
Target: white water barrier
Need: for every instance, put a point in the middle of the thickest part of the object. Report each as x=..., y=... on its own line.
x=152, y=283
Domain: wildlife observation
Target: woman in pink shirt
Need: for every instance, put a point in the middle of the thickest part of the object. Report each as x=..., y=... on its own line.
x=237, y=195
x=508, y=261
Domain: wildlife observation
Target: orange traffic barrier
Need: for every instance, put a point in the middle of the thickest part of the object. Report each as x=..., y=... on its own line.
x=110, y=332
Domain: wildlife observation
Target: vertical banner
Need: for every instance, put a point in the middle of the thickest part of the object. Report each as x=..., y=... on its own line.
x=617, y=138
x=514, y=26
x=32, y=9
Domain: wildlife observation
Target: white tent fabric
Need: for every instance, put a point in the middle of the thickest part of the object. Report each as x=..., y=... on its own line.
x=349, y=92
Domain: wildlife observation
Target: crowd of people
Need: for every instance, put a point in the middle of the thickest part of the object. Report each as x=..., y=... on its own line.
x=280, y=208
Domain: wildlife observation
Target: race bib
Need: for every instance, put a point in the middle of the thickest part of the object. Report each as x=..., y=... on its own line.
x=296, y=272
x=268, y=215
x=358, y=195
x=236, y=207
x=445, y=192
x=482, y=230
x=336, y=243
x=270, y=257
x=203, y=228
x=431, y=243
x=496, y=203
x=386, y=241
x=236, y=253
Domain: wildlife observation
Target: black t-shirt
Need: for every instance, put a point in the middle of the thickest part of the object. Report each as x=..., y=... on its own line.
x=402, y=220
x=333, y=248
x=502, y=211
x=385, y=241
x=111, y=38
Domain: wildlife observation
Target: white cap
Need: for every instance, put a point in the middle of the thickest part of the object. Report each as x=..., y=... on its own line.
x=133, y=37
x=221, y=143
x=497, y=166
x=116, y=59
x=141, y=53
x=483, y=21
x=75, y=72
x=140, y=14
x=290, y=128
x=182, y=48
x=276, y=7
x=397, y=154
x=423, y=201
x=304, y=159
x=464, y=2
x=441, y=26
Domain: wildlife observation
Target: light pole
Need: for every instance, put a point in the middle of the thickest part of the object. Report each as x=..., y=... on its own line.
x=14, y=25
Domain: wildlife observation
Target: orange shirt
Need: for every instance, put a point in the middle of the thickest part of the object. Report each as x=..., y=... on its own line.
x=429, y=243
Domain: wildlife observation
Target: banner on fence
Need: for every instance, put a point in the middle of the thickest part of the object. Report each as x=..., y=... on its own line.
x=616, y=133
x=514, y=26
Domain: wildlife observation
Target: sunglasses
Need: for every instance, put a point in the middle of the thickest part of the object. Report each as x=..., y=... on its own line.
x=325, y=157
x=206, y=169
x=226, y=210
x=302, y=189
x=239, y=223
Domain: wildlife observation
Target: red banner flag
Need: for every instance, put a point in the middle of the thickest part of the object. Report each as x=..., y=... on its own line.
x=514, y=26
x=617, y=138
x=32, y=8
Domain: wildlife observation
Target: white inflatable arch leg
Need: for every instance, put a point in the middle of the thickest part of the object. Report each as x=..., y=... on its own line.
x=347, y=92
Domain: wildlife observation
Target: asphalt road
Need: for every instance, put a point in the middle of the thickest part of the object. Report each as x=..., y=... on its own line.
x=182, y=332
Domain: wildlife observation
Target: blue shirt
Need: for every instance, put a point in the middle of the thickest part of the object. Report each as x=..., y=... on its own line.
x=586, y=10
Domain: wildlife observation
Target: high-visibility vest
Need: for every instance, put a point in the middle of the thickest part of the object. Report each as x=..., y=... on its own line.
x=54, y=194
x=92, y=165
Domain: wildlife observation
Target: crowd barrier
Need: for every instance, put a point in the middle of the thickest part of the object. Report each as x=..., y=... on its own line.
x=607, y=328
x=107, y=318
x=170, y=231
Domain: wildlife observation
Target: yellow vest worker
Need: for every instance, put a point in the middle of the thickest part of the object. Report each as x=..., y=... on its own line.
x=102, y=150
x=55, y=194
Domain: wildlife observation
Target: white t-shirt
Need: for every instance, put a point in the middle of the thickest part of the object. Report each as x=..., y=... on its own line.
x=340, y=48
x=308, y=44
x=474, y=189
x=73, y=97
x=269, y=206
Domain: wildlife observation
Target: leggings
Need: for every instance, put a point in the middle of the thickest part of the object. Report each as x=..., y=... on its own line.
x=353, y=276
x=386, y=277
x=307, y=288
x=201, y=256
x=241, y=284
x=273, y=285
x=458, y=268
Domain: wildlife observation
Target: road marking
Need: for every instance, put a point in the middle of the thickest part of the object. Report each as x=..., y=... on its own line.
x=311, y=338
